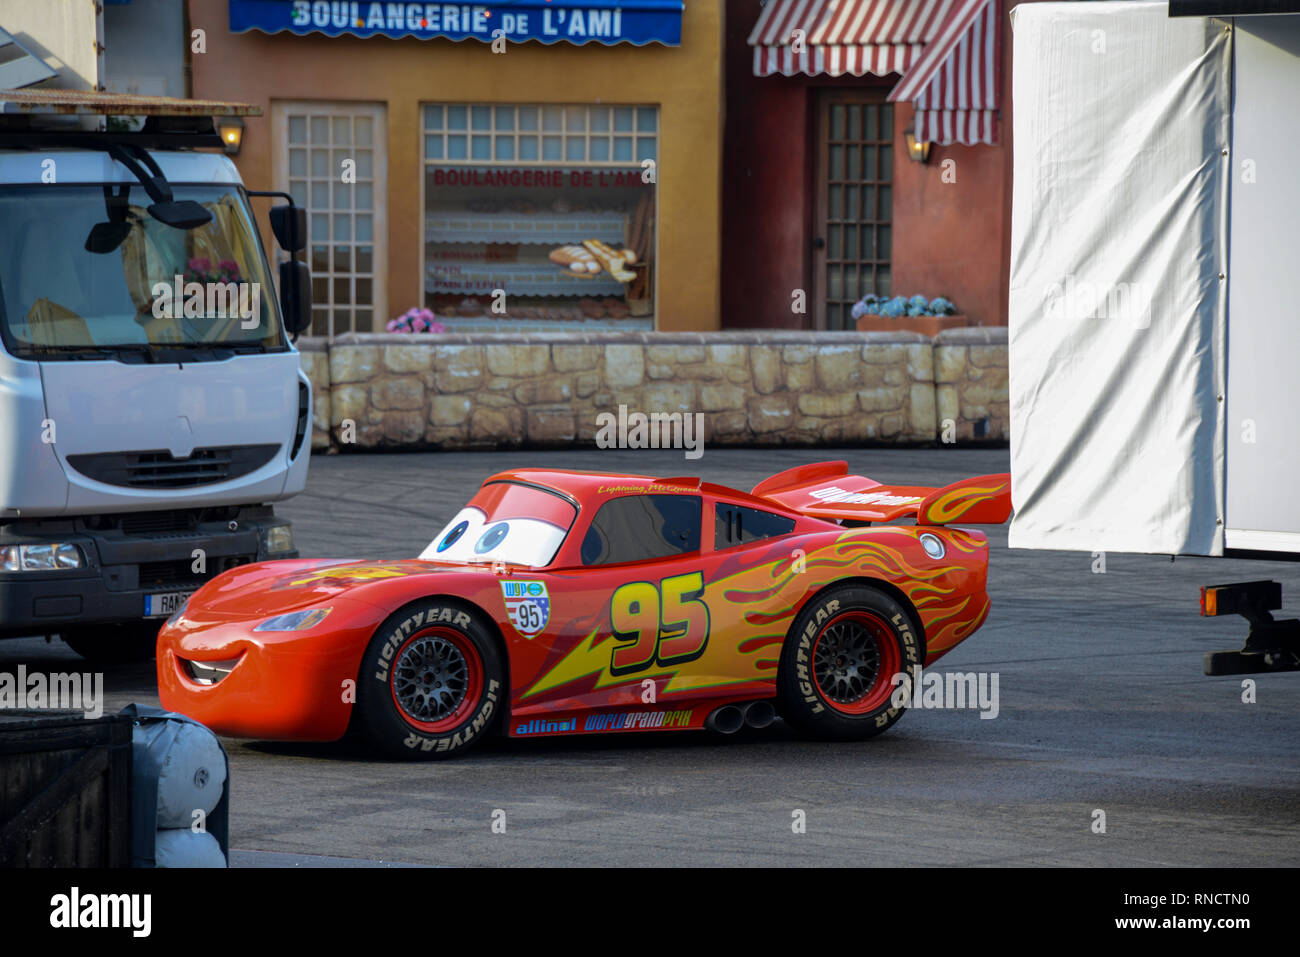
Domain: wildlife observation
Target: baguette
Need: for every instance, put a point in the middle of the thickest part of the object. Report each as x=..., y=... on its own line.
x=613, y=262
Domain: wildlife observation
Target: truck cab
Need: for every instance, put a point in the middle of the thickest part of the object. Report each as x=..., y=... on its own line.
x=152, y=405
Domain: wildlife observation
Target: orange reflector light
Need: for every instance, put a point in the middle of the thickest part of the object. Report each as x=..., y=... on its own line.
x=1209, y=601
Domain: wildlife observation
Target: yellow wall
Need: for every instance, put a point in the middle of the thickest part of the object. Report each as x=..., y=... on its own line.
x=685, y=82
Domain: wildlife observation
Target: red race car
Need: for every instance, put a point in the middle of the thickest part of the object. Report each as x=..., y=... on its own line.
x=562, y=602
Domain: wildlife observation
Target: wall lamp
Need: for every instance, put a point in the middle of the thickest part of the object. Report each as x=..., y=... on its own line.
x=231, y=130
x=918, y=150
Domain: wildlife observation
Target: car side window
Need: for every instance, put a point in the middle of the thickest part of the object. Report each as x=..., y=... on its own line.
x=736, y=525
x=635, y=528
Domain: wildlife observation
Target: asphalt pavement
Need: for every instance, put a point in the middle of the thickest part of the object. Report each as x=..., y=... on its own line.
x=1109, y=748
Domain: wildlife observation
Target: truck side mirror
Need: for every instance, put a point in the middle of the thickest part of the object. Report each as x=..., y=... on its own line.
x=289, y=223
x=295, y=295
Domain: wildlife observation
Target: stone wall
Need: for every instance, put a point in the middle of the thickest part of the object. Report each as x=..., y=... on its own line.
x=970, y=379
x=753, y=388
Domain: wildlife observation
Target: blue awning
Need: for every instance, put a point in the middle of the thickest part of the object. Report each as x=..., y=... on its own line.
x=550, y=21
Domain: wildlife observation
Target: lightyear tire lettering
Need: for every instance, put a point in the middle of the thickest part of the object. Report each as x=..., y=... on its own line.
x=843, y=694
x=442, y=655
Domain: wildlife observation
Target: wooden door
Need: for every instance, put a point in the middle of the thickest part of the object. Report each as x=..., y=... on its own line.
x=854, y=189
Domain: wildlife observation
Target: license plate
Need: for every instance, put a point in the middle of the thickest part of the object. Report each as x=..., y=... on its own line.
x=164, y=604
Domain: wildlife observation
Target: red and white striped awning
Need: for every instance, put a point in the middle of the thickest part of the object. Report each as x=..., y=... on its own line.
x=837, y=37
x=947, y=52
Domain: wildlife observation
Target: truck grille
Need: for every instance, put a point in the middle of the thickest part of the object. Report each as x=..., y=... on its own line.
x=181, y=571
x=153, y=574
x=157, y=469
x=149, y=523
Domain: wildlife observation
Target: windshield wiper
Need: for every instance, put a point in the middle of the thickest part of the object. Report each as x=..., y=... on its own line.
x=111, y=352
x=145, y=349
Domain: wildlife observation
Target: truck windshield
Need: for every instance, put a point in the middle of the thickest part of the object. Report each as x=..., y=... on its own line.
x=85, y=270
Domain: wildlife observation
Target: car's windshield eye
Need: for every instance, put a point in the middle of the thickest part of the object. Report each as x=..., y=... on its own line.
x=493, y=537
x=452, y=537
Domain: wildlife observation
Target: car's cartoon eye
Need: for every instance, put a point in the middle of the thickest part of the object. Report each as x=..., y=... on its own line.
x=493, y=537
x=452, y=537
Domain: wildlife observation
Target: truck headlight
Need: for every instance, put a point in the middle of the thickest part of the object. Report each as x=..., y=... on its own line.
x=41, y=558
x=277, y=539
x=294, y=621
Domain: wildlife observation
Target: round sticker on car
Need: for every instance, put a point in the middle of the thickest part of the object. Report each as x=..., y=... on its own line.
x=528, y=604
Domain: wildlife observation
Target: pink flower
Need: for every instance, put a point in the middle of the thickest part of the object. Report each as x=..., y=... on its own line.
x=416, y=319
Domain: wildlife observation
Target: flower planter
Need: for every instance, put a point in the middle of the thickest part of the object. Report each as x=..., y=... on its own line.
x=926, y=325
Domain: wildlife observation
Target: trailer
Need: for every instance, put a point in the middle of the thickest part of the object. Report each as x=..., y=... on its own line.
x=1153, y=291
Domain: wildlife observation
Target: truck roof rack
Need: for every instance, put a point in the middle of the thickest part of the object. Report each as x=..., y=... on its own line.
x=96, y=103
x=36, y=119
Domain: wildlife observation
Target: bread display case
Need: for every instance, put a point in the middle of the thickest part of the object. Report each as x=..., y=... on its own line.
x=577, y=253
x=567, y=236
x=549, y=228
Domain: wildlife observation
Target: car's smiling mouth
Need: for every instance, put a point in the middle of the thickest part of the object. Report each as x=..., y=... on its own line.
x=208, y=672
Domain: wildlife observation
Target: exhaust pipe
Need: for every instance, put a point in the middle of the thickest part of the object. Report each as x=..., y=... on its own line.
x=760, y=714
x=727, y=719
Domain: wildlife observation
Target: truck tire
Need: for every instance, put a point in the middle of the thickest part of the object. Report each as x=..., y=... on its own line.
x=837, y=666
x=432, y=682
x=115, y=643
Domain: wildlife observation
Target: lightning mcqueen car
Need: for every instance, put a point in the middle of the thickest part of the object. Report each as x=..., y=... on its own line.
x=561, y=602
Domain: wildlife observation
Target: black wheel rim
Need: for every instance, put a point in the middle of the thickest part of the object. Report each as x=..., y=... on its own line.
x=430, y=678
x=846, y=661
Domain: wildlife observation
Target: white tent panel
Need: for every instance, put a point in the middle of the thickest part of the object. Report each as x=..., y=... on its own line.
x=1116, y=303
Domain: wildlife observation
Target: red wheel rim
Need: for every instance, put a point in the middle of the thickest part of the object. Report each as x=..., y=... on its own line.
x=436, y=679
x=853, y=659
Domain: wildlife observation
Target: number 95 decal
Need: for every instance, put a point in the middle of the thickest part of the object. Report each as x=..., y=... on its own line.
x=664, y=624
x=528, y=603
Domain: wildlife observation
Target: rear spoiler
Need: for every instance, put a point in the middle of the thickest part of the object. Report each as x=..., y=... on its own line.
x=827, y=491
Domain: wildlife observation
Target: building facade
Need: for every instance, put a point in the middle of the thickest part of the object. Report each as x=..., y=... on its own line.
x=822, y=97
x=738, y=164
x=551, y=165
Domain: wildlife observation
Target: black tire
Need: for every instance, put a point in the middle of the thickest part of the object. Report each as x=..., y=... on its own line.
x=434, y=660
x=838, y=662
x=115, y=643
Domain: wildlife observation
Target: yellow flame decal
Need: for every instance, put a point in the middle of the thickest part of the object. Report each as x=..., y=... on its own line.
x=952, y=506
x=349, y=572
x=590, y=657
x=763, y=597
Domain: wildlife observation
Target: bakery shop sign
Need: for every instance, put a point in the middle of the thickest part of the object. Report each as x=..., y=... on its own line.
x=539, y=178
x=549, y=21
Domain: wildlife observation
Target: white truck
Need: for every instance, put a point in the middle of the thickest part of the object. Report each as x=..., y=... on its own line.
x=152, y=405
x=1153, y=336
